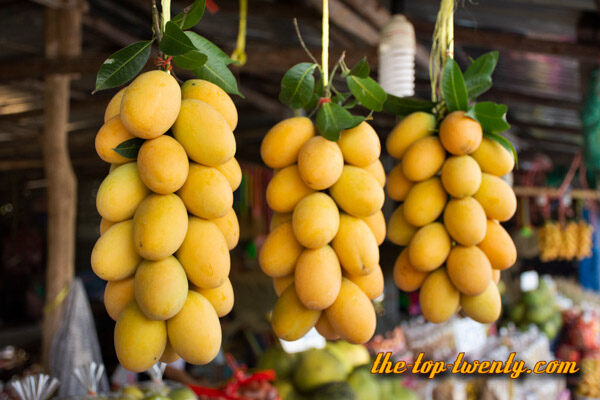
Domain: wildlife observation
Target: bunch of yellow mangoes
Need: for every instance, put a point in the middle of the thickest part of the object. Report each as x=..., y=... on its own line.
x=569, y=242
x=167, y=219
x=323, y=247
x=452, y=199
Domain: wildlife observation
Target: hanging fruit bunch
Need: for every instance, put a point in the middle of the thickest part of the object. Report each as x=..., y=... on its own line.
x=451, y=157
x=566, y=243
x=326, y=194
x=166, y=205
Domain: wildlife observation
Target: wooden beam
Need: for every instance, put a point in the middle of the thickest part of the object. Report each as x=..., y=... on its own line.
x=38, y=67
x=373, y=10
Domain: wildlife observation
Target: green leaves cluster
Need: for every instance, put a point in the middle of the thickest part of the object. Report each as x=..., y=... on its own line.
x=189, y=50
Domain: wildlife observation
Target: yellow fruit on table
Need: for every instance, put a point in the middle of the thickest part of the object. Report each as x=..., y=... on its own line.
x=498, y=246
x=160, y=288
x=320, y=163
x=120, y=193
x=407, y=277
x=139, y=341
x=204, y=254
x=399, y=231
x=460, y=134
x=360, y=145
x=206, y=192
x=221, y=297
x=496, y=197
x=279, y=252
x=291, y=319
x=376, y=223
x=485, y=307
x=469, y=269
x=281, y=145
x=204, y=133
x=278, y=219
x=461, y=176
x=169, y=355
x=315, y=220
x=117, y=294
x=286, y=189
x=151, y=104
x=114, y=256
x=425, y=202
x=493, y=158
x=212, y=94
x=163, y=164
x=465, y=221
x=357, y=192
x=496, y=275
x=282, y=283
x=159, y=226
x=371, y=284
x=398, y=185
x=429, y=247
x=232, y=171
x=114, y=105
x=439, y=299
x=356, y=246
x=376, y=169
x=105, y=225
x=352, y=315
x=325, y=329
x=195, y=332
x=110, y=135
x=423, y=159
x=229, y=227
x=412, y=128
x=318, y=294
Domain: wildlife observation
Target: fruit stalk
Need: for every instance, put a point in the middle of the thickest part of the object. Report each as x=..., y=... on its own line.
x=325, y=47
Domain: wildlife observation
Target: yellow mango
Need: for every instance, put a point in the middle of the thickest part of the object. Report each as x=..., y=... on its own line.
x=110, y=135
x=114, y=256
x=315, y=220
x=356, y=246
x=281, y=145
x=105, y=225
x=460, y=134
x=423, y=159
x=278, y=219
x=493, y=158
x=169, y=355
x=398, y=185
x=221, y=297
x=496, y=197
x=290, y=318
x=412, y=128
x=407, y=277
x=371, y=284
x=439, y=299
x=461, y=176
x=496, y=275
x=163, y=164
x=212, y=94
x=279, y=252
x=281, y=283
x=318, y=294
x=360, y=145
x=320, y=163
x=485, y=307
x=229, y=227
x=357, y=192
x=429, y=247
x=286, y=189
x=120, y=193
x=232, y=171
x=376, y=169
x=498, y=246
x=114, y=105
x=376, y=223
x=469, y=270
x=117, y=294
x=425, y=202
x=325, y=329
x=465, y=221
x=399, y=231
x=206, y=192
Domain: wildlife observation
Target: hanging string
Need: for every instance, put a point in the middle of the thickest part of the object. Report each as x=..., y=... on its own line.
x=239, y=54
x=442, y=46
x=325, y=47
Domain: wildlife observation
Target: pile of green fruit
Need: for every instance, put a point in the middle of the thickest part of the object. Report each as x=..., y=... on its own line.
x=155, y=392
x=340, y=371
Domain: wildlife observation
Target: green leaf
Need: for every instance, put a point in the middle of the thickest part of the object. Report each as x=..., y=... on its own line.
x=367, y=92
x=332, y=119
x=351, y=104
x=123, y=66
x=356, y=120
x=339, y=98
x=403, y=105
x=504, y=142
x=297, y=85
x=217, y=72
x=490, y=115
x=477, y=85
x=174, y=41
x=207, y=47
x=478, y=76
x=191, y=60
x=361, y=69
x=192, y=17
x=129, y=148
x=317, y=94
x=453, y=87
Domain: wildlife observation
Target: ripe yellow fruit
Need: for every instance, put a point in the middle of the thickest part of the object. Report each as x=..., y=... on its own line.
x=286, y=189
x=279, y=252
x=212, y=94
x=460, y=134
x=360, y=145
x=105, y=225
x=163, y=164
x=356, y=246
x=376, y=169
x=423, y=159
x=139, y=341
x=498, y=246
x=282, y=283
x=221, y=298
x=357, y=192
x=485, y=307
x=315, y=220
x=169, y=355
x=278, y=219
x=204, y=254
x=371, y=284
x=407, y=277
x=232, y=171
x=120, y=193
x=151, y=104
x=425, y=202
x=204, y=133
x=438, y=298
x=320, y=163
x=412, y=128
x=318, y=294
x=493, y=158
x=461, y=176
x=399, y=230
x=325, y=329
x=114, y=256
x=229, y=227
x=291, y=319
x=110, y=135
x=496, y=197
x=114, y=105
x=469, y=269
x=465, y=220
x=206, y=192
x=159, y=226
x=352, y=315
x=398, y=185
x=496, y=275
x=117, y=295
x=281, y=145
x=429, y=247
x=160, y=288
x=376, y=223
x=195, y=332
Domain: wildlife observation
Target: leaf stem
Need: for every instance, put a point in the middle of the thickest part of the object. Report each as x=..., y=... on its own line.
x=339, y=64
x=166, y=12
x=303, y=44
x=325, y=47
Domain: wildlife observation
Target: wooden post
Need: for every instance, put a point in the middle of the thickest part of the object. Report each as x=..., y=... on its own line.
x=63, y=39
